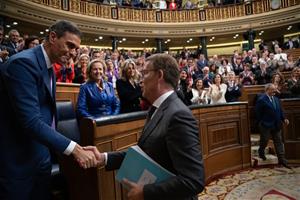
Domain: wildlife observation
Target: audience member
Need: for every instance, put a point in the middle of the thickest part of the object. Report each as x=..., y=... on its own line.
x=233, y=88
x=185, y=87
x=263, y=74
x=290, y=64
x=64, y=70
x=97, y=96
x=4, y=51
x=293, y=83
x=217, y=90
x=199, y=93
x=246, y=77
x=238, y=66
x=129, y=90
x=279, y=83
x=80, y=69
x=14, y=42
x=31, y=42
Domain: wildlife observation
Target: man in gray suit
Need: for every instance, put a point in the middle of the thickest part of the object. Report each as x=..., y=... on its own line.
x=170, y=137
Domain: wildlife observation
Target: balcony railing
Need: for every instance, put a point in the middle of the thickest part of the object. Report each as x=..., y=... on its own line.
x=166, y=16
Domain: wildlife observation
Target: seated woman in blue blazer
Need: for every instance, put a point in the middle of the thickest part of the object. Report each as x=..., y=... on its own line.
x=97, y=96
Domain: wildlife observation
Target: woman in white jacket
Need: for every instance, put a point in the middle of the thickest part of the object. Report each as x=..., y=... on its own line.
x=199, y=93
x=217, y=90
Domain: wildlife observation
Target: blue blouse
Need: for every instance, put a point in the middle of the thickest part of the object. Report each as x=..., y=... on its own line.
x=93, y=103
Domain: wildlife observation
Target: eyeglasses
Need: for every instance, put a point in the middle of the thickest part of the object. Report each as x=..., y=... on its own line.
x=146, y=71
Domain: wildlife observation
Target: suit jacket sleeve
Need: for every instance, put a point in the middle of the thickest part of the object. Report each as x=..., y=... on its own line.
x=23, y=79
x=183, y=146
x=114, y=160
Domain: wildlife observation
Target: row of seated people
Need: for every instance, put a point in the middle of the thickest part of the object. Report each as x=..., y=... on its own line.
x=168, y=4
x=97, y=96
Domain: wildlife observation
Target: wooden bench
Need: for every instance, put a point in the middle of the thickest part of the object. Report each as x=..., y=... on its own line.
x=223, y=133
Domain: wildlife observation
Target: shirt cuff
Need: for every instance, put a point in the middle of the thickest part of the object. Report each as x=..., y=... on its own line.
x=105, y=157
x=70, y=148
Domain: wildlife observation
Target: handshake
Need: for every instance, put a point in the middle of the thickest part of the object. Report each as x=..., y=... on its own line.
x=88, y=156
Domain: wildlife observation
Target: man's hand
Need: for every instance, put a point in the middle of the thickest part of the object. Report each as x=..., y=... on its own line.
x=4, y=54
x=86, y=158
x=286, y=121
x=135, y=191
x=100, y=156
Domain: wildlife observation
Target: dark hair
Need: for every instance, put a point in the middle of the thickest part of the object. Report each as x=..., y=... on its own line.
x=1, y=28
x=29, y=40
x=168, y=65
x=195, y=83
x=63, y=26
x=214, y=78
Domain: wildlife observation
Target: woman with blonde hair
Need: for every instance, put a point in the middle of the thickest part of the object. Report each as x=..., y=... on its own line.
x=80, y=69
x=97, y=96
x=129, y=91
x=294, y=83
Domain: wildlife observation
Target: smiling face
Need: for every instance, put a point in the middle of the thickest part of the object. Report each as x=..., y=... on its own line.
x=84, y=61
x=62, y=46
x=183, y=75
x=130, y=71
x=97, y=71
x=199, y=84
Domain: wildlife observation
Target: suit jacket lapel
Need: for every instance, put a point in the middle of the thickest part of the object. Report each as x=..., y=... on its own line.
x=43, y=66
x=151, y=124
x=154, y=122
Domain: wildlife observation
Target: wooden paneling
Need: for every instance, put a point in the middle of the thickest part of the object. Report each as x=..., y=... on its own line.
x=249, y=94
x=291, y=133
x=67, y=92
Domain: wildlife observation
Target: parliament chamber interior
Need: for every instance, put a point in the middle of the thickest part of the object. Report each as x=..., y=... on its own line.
x=248, y=43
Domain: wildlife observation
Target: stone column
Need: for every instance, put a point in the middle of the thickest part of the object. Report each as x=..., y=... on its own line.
x=203, y=42
x=114, y=43
x=159, y=45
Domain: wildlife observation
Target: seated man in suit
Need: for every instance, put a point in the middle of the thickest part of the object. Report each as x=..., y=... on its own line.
x=270, y=117
x=170, y=137
x=27, y=118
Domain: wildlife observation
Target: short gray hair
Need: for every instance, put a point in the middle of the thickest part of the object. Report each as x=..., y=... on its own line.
x=268, y=86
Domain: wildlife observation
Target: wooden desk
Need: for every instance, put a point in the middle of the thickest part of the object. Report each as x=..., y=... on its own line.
x=223, y=133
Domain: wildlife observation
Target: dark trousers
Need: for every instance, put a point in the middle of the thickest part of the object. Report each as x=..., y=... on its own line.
x=265, y=135
x=35, y=187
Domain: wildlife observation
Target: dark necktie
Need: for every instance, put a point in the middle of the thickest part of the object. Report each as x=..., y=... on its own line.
x=151, y=112
x=51, y=77
x=273, y=102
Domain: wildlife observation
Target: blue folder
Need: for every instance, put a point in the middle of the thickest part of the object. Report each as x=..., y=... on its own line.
x=138, y=167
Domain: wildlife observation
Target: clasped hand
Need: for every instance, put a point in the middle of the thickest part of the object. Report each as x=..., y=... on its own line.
x=88, y=156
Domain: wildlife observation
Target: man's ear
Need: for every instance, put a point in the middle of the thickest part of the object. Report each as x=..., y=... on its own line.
x=52, y=37
x=160, y=74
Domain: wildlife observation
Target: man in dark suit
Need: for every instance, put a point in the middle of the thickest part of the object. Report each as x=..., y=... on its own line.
x=27, y=118
x=170, y=137
x=270, y=117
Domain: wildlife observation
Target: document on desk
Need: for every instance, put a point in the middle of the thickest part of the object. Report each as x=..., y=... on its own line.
x=138, y=167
